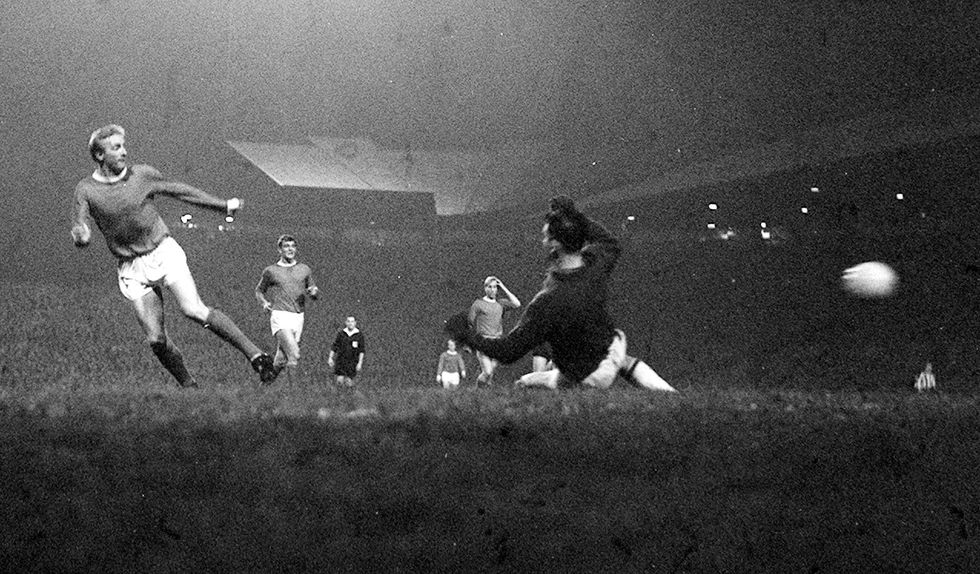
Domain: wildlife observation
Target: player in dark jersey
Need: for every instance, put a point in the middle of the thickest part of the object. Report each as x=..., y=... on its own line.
x=282, y=291
x=569, y=313
x=347, y=353
x=119, y=197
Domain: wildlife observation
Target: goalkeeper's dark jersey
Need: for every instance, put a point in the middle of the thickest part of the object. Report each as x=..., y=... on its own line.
x=569, y=313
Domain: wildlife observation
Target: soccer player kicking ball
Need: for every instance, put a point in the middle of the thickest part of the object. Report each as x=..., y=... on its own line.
x=287, y=283
x=569, y=313
x=119, y=198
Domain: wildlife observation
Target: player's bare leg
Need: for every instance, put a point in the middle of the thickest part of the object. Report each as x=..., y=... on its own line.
x=487, y=368
x=642, y=375
x=221, y=325
x=539, y=364
x=540, y=379
x=287, y=352
x=149, y=313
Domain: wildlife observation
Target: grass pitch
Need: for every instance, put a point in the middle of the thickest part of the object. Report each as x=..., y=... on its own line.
x=108, y=467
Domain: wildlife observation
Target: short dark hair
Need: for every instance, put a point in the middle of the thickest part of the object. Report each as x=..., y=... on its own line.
x=566, y=225
x=284, y=238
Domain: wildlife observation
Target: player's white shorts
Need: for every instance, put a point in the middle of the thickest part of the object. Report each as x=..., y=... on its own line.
x=279, y=320
x=601, y=378
x=165, y=265
x=605, y=373
x=450, y=380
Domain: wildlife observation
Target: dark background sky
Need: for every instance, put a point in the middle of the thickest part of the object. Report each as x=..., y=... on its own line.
x=649, y=85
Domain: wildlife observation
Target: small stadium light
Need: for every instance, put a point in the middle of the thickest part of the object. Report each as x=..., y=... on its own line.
x=711, y=226
x=229, y=219
x=804, y=210
x=900, y=196
x=221, y=227
x=630, y=218
x=763, y=224
x=766, y=234
x=186, y=218
x=712, y=206
x=815, y=189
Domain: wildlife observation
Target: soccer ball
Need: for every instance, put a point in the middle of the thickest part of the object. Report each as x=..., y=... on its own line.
x=872, y=279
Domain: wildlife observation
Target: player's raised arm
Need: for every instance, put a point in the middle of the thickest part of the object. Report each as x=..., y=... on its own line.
x=514, y=301
x=190, y=194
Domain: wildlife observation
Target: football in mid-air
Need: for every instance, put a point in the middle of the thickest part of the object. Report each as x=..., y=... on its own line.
x=871, y=279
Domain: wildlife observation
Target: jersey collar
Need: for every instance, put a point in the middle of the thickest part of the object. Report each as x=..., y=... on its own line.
x=97, y=176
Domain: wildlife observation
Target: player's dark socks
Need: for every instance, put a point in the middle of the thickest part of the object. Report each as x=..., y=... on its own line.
x=222, y=326
x=627, y=372
x=263, y=365
x=171, y=358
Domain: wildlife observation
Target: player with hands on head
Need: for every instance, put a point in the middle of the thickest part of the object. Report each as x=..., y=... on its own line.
x=569, y=312
x=486, y=317
x=282, y=291
x=119, y=198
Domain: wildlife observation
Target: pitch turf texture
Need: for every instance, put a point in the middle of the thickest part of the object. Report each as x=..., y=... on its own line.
x=107, y=466
x=796, y=444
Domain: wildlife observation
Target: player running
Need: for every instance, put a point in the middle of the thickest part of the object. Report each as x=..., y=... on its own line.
x=282, y=291
x=119, y=198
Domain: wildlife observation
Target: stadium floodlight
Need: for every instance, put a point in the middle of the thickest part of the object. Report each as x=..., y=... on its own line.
x=229, y=219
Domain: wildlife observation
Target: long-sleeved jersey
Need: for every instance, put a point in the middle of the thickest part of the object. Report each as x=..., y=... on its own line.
x=124, y=212
x=569, y=313
x=451, y=362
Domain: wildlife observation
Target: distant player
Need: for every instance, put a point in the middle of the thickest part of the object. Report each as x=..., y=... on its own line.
x=486, y=317
x=282, y=292
x=569, y=313
x=926, y=381
x=347, y=353
x=119, y=198
x=451, y=367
